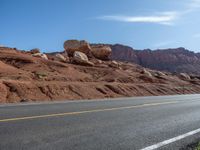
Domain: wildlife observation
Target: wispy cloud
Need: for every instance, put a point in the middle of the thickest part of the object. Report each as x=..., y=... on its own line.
x=164, y=18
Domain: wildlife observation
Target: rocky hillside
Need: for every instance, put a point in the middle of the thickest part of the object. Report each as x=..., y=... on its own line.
x=173, y=60
x=32, y=76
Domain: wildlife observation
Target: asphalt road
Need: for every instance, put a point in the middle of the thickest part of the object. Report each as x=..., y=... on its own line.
x=163, y=122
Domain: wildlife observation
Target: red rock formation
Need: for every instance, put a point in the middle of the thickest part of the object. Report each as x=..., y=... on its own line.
x=27, y=78
x=172, y=60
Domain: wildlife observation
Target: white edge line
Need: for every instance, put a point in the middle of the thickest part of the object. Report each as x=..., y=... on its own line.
x=180, y=137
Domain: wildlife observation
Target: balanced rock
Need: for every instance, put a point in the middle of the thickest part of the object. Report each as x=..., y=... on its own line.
x=101, y=52
x=81, y=58
x=74, y=45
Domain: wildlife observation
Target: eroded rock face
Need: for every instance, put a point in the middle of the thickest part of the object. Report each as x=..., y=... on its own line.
x=74, y=45
x=101, y=52
x=81, y=58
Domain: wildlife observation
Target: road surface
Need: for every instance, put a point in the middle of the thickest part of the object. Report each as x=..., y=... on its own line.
x=163, y=122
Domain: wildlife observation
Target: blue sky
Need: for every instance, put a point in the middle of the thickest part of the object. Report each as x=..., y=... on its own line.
x=46, y=24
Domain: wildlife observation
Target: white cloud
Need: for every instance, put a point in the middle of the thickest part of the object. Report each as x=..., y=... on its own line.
x=164, y=18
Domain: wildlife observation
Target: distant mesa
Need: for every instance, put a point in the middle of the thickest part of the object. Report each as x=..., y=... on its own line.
x=176, y=60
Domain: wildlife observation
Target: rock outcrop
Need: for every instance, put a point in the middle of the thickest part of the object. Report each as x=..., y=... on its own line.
x=74, y=45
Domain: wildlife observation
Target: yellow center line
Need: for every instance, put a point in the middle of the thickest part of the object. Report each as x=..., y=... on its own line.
x=86, y=111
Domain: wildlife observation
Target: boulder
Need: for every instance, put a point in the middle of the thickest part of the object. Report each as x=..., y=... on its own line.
x=101, y=52
x=144, y=71
x=157, y=73
x=44, y=56
x=35, y=50
x=81, y=58
x=184, y=76
x=114, y=64
x=61, y=58
x=99, y=61
x=74, y=45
